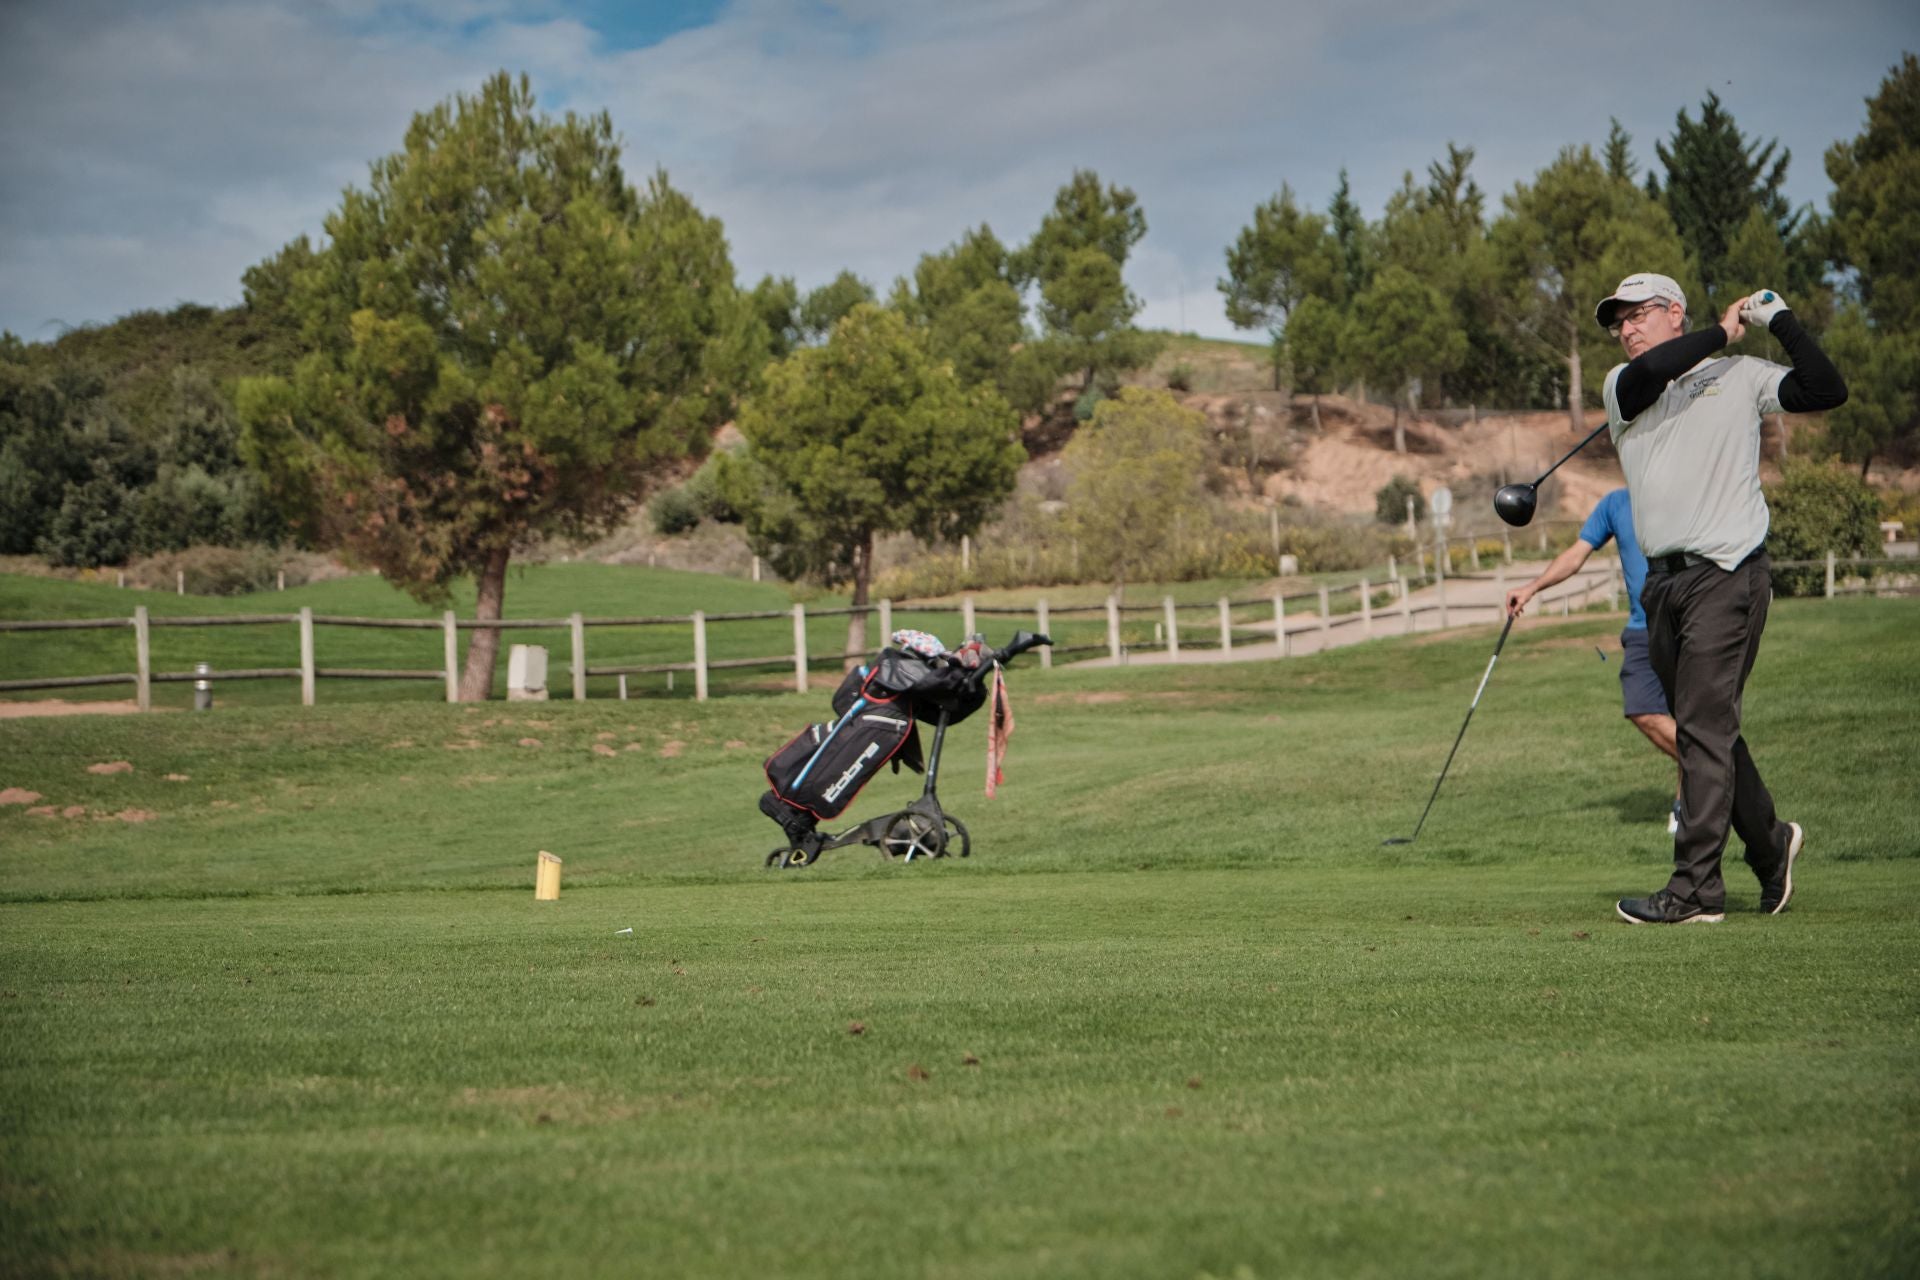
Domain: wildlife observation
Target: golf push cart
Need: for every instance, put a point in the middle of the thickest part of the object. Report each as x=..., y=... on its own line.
x=876, y=708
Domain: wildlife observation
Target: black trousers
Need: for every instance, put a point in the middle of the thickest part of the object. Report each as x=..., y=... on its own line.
x=1703, y=632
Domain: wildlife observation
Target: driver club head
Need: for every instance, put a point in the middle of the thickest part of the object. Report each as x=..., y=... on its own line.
x=1514, y=503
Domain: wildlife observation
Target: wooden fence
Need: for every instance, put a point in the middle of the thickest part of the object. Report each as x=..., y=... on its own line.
x=1380, y=608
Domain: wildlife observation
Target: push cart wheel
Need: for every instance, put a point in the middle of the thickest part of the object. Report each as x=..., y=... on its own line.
x=798, y=856
x=957, y=831
x=913, y=835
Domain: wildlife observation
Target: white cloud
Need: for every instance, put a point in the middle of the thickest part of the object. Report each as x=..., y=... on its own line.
x=196, y=137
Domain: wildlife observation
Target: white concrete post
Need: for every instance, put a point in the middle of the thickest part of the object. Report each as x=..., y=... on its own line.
x=142, y=659
x=306, y=656
x=756, y=568
x=1040, y=620
x=799, y=647
x=1366, y=606
x=1173, y=628
x=578, y=625
x=700, y=655
x=1113, y=628
x=451, y=631
x=1326, y=616
x=1280, y=625
x=1829, y=575
x=1226, y=625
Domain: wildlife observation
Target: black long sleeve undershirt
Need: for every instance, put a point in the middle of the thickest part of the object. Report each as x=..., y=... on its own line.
x=1812, y=385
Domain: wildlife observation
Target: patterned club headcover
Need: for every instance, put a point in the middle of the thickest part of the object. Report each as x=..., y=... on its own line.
x=918, y=642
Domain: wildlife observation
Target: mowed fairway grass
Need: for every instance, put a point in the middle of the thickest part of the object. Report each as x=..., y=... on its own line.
x=295, y=1011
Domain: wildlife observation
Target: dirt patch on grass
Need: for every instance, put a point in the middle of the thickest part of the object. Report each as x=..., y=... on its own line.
x=60, y=707
x=17, y=795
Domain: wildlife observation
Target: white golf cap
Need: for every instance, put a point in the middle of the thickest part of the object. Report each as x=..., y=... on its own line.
x=1643, y=286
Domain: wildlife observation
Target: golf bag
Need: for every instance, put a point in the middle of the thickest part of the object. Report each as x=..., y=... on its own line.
x=818, y=773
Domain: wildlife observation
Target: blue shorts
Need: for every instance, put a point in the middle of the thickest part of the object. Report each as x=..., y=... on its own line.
x=1640, y=690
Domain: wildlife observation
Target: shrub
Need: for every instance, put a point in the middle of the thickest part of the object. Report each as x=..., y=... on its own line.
x=1390, y=502
x=1817, y=508
x=674, y=511
x=1180, y=377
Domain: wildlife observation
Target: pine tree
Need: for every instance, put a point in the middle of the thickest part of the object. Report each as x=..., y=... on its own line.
x=1715, y=175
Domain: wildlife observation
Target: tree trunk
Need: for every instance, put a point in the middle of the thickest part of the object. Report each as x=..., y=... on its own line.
x=1399, y=432
x=476, y=678
x=857, y=620
x=1864, y=464
x=1575, y=414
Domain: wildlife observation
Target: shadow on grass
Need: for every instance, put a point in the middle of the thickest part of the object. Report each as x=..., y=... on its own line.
x=1642, y=804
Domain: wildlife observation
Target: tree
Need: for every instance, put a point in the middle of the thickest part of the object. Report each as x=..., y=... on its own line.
x=1563, y=242
x=1883, y=375
x=1284, y=255
x=1353, y=239
x=1076, y=257
x=1621, y=165
x=775, y=305
x=1313, y=345
x=863, y=436
x=966, y=304
x=1875, y=221
x=506, y=340
x=1874, y=234
x=1814, y=509
x=1131, y=471
x=827, y=305
x=1390, y=501
x=1402, y=333
x=1715, y=177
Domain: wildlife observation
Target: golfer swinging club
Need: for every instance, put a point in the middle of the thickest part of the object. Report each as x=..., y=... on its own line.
x=1686, y=424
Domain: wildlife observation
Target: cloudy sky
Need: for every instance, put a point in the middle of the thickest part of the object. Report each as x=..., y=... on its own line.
x=150, y=152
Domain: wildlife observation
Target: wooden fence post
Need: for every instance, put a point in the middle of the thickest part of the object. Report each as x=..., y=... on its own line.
x=306, y=656
x=578, y=626
x=1829, y=575
x=1226, y=625
x=1040, y=620
x=1440, y=593
x=1366, y=607
x=142, y=660
x=1506, y=545
x=1113, y=629
x=886, y=623
x=1326, y=617
x=1421, y=552
x=180, y=581
x=700, y=655
x=966, y=619
x=1173, y=628
x=450, y=631
x=799, y=645
x=1393, y=568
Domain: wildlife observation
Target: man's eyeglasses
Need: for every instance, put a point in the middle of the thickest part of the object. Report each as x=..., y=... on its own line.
x=1638, y=315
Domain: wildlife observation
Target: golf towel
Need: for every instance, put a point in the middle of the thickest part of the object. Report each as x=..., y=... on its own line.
x=999, y=730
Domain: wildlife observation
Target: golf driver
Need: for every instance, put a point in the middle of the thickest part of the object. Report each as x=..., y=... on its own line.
x=1463, y=733
x=1515, y=502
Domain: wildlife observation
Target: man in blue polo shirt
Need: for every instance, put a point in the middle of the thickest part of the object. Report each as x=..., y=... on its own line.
x=1640, y=691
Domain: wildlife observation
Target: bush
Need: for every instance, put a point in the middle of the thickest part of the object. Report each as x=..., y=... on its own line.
x=1180, y=377
x=1390, y=502
x=1817, y=508
x=674, y=511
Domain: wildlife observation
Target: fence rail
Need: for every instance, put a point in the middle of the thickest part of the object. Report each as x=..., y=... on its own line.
x=1278, y=620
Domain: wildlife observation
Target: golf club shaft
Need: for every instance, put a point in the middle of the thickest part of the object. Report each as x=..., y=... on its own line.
x=1577, y=448
x=1484, y=677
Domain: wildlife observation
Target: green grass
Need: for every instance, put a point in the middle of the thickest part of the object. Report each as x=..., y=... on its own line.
x=307, y=1019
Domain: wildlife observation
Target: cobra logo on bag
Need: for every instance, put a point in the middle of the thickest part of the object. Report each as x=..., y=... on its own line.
x=853, y=771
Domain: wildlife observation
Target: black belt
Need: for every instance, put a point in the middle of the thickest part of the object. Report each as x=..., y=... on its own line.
x=1680, y=561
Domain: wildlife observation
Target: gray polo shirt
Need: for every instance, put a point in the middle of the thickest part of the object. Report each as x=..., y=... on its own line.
x=1692, y=458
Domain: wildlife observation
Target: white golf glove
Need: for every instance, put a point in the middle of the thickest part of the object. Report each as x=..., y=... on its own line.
x=1761, y=307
